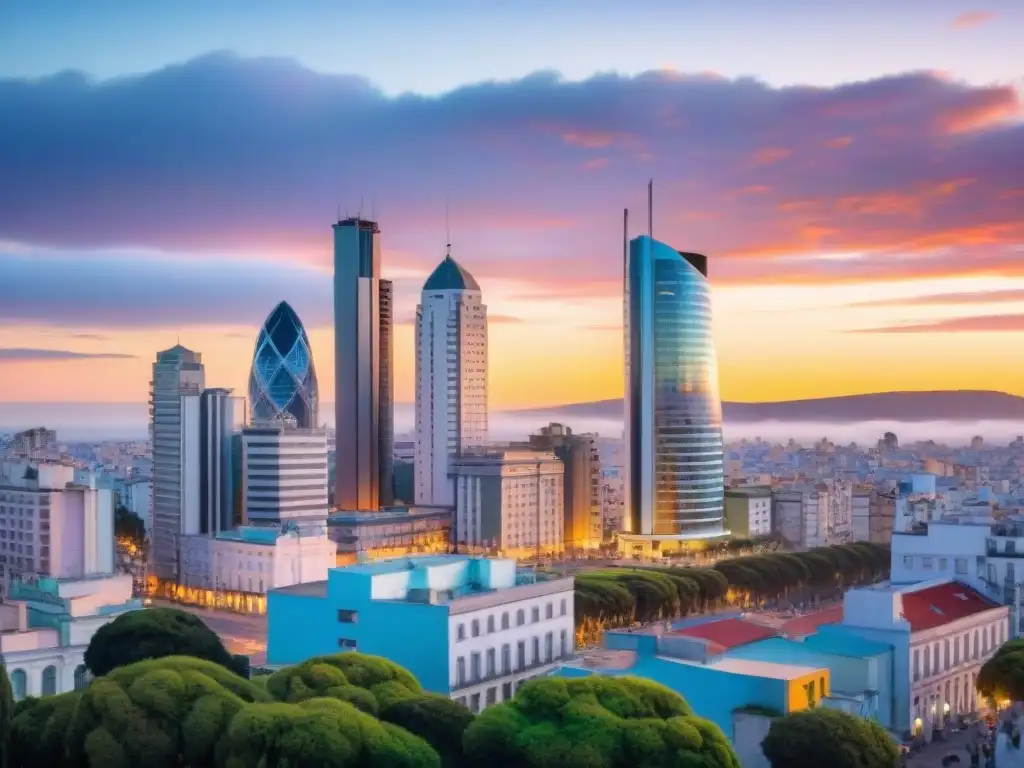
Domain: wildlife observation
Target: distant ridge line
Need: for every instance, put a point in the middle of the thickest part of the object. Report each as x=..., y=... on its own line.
x=903, y=406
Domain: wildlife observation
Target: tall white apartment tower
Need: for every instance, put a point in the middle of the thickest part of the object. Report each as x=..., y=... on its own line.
x=451, y=378
x=178, y=379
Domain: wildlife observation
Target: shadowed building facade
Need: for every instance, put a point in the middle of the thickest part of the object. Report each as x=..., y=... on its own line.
x=675, y=484
x=364, y=384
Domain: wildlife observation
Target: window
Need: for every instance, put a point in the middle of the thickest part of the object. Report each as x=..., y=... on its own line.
x=492, y=696
x=19, y=684
x=943, y=563
x=490, y=624
x=549, y=646
x=506, y=659
x=908, y=561
x=506, y=691
x=956, y=650
x=536, y=650
x=535, y=614
x=563, y=645
x=821, y=686
x=520, y=617
x=50, y=681
x=474, y=703
x=549, y=611
x=504, y=620
x=347, y=617
x=474, y=666
x=474, y=628
x=926, y=563
x=460, y=632
x=809, y=690
x=346, y=643
x=491, y=663
x=521, y=654
x=961, y=565
x=81, y=677
x=917, y=665
x=563, y=607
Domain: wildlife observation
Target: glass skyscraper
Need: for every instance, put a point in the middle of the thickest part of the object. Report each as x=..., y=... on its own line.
x=282, y=383
x=675, y=487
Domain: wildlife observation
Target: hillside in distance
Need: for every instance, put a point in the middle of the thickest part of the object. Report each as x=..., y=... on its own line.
x=942, y=405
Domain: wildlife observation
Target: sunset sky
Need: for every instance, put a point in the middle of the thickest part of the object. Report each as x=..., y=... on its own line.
x=170, y=170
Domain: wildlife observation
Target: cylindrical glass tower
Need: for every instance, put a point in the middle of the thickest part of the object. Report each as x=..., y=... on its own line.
x=673, y=410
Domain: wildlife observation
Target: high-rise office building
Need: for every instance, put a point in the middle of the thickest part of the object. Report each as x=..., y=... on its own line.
x=221, y=416
x=178, y=378
x=362, y=364
x=451, y=379
x=282, y=382
x=675, y=481
x=285, y=477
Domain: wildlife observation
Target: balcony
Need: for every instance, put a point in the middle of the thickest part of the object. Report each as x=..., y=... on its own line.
x=470, y=682
x=992, y=550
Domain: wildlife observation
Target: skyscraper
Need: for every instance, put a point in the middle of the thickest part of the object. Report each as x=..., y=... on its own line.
x=451, y=378
x=675, y=483
x=178, y=378
x=362, y=365
x=221, y=415
x=282, y=382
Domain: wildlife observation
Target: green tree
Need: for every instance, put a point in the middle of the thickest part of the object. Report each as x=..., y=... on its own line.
x=594, y=722
x=834, y=738
x=38, y=731
x=6, y=713
x=321, y=732
x=437, y=720
x=152, y=634
x=159, y=713
x=129, y=525
x=1002, y=676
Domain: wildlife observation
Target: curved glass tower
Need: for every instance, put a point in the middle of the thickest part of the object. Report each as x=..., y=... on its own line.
x=282, y=383
x=673, y=412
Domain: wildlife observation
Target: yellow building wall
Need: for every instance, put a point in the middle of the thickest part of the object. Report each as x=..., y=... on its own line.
x=800, y=689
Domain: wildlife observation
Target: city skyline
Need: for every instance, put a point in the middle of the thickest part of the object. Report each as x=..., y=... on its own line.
x=874, y=216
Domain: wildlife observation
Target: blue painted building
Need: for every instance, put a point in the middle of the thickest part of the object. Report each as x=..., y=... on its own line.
x=471, y=628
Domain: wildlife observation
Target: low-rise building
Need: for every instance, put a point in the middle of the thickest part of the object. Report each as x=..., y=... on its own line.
x=470, y=628
x=510, y=501
x=236, y=568
x=390, y=532
x=46, y=626
x=748, y=511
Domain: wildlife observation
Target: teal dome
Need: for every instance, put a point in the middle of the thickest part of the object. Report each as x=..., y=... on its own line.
x=449, y=276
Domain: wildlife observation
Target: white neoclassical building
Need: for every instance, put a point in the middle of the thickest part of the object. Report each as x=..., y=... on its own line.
x=45, y=628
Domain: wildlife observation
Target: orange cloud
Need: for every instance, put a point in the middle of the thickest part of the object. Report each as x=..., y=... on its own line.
x=588, y=139
x=985, y=109
x=840, y=142
x=968, y=297
x=976, y=324
x=771, y=155
x=972, y=19
x=595, y=163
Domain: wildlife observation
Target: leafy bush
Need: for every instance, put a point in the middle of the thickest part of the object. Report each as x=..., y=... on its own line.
x=152, y=634
x=438, y=720
x=597, y=722
x=162, y=712
x=834, y=738
x=38, y=731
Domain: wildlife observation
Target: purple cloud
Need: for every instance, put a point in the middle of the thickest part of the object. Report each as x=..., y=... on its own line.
x=242, y=156
x=24, y=354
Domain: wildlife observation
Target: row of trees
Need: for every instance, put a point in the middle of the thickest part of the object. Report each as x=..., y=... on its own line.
x=615, y=597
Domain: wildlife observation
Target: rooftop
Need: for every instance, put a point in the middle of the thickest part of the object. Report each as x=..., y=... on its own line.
x=252, y=535
x=727, y=633
x=808, y=624
x=386, y=515
x=942, y=604
x=450, y=276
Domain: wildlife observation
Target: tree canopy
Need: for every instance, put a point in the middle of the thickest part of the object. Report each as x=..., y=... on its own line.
x=1002, y=676
x=834, y=738
x=6, y=712
x=594, y=722
x=153, y=634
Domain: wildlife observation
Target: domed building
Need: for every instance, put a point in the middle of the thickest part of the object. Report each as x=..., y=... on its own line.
x=282, y=383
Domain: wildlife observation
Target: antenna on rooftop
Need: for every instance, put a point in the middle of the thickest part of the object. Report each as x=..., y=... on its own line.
x=373, y=208
x=447, y=229
x=650, y=208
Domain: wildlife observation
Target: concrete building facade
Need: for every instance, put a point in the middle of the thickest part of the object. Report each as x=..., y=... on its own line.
x=582, y=524
x=451, y=379
x=482, y=626
x=748, y=511
x=285, y=477
x=509, y=500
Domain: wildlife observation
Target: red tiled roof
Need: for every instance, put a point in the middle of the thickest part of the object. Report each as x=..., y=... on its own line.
x=945, y=603
x=808, y=625
x=728, y=633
